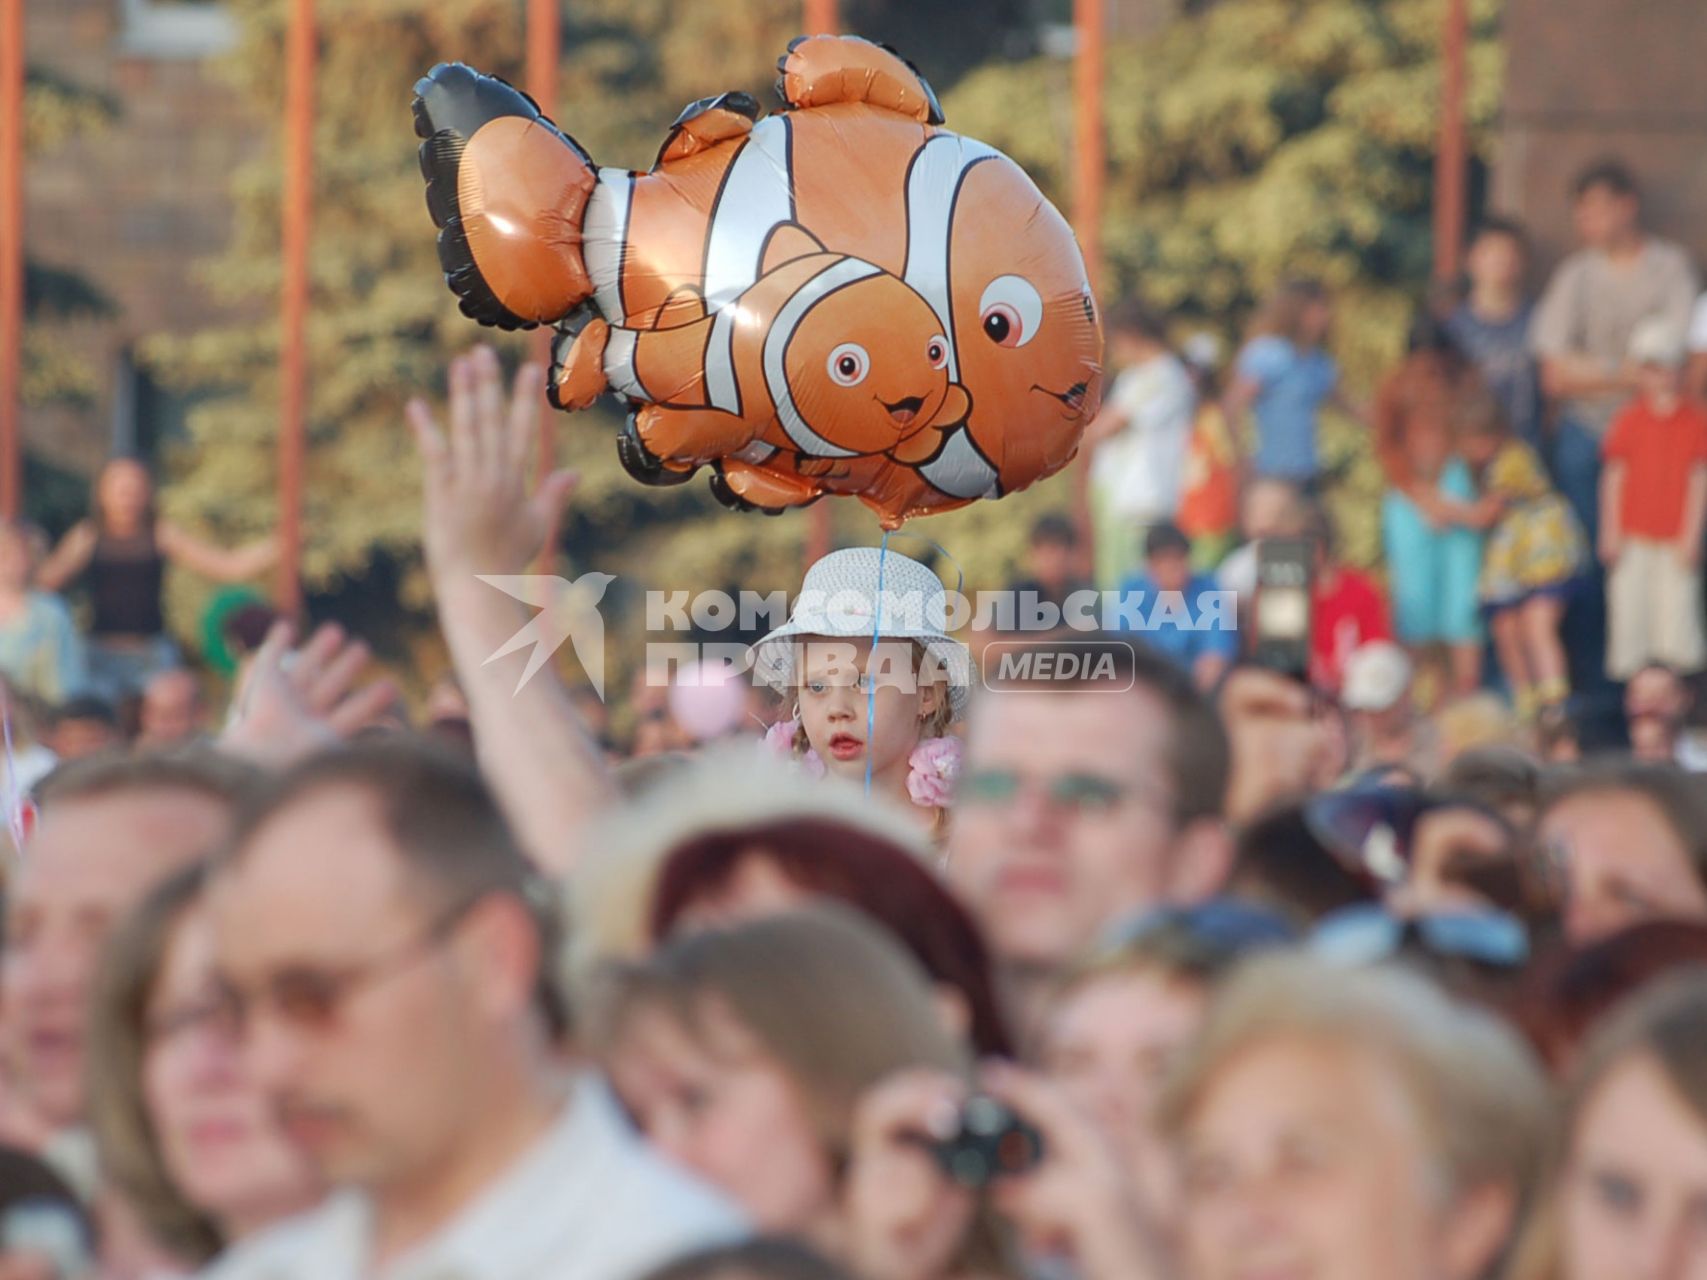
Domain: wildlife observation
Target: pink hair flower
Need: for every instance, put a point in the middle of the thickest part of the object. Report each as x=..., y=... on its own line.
x=933, y=768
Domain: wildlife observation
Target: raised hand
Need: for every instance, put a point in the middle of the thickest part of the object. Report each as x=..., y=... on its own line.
x=479, y=515
x=293, y=703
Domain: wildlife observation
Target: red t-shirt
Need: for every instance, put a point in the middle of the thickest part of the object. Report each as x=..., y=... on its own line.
x=1658, y=452
x=1353, y=613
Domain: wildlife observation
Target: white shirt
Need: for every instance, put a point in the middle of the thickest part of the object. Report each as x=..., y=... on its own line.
x=1698, y=326
x=1140, y=470
x=589, y=1201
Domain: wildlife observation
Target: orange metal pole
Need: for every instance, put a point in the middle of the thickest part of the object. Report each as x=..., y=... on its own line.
x=544, y=47
x=1451, y=160
x=1090, y=23
x=11, y=252
x=293, y=308
x=821, y=17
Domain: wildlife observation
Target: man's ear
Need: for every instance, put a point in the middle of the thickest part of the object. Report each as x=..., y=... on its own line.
x=503, y=943
x=1477, y=1227
x=1200, y=861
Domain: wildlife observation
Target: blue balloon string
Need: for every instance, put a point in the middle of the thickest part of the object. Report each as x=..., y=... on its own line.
x=870, y=684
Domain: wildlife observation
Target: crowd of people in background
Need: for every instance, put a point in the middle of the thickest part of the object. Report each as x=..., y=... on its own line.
x=1193, y=968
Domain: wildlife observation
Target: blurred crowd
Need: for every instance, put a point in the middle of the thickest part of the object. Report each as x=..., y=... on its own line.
x=1168, y=964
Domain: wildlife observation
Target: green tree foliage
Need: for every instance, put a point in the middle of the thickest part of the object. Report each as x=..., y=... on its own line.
x=383, y=324
x=1260, y=136
x=1257, y=139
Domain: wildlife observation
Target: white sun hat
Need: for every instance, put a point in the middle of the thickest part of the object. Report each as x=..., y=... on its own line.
x=840, y=599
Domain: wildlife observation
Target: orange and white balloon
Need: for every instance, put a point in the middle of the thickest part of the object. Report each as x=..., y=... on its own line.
x=844, y=297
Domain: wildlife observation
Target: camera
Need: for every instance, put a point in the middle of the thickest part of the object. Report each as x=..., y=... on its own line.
x=1282, y=611
x=992, y=1141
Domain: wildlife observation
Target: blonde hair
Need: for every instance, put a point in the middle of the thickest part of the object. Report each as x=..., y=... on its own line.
x=131, y=1159
x=1477, y=1090
x=828, y=994
x=1667, y=1023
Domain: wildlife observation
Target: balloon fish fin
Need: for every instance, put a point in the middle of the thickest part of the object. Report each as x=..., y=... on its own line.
x=819, y=70
x=706, y=123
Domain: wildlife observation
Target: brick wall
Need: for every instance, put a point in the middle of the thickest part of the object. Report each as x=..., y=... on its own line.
x=135, y=206
x=1588, y=78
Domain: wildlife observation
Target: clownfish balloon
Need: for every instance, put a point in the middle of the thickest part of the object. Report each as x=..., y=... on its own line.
x=841, y=298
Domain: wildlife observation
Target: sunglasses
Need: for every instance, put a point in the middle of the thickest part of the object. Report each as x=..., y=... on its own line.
x=310, y=999
x=1084, y=794
x=1364, y=935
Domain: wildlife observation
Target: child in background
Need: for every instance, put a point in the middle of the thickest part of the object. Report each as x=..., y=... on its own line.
x=825, y=659
x=1653, y=501
x=1138, y=440
x=1534, y=550
x=1209, y=489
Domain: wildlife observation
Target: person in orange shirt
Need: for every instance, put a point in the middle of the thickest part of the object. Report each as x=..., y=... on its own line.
x=1653, y=502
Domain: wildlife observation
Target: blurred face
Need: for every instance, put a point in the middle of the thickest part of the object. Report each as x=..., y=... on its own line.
x=1110, y=1045
x=219, y=1141
x=372, y=1075
x=171, y=709
x=1623, y=864
x=125, y=490
x=1051, y=561
x=1496, y=261
x=1659, y=382
x=1315, y=322
x=836, y=676
x=1306, y=1159
x=1170, y=570
x=1633, y=1199
x=1063, y=818
x=87, y=863
x=74, y=739
x=1270, y=510
x=1478, y=448
x=712, y=1099
x=1603, y=218
x=1655, y=705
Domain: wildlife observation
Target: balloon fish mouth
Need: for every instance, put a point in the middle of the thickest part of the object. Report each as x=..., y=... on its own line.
x=904, y=411
x=1073, y=397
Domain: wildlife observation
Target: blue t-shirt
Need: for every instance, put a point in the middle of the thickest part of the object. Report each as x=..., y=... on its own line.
x=1291, y=387
x=1184, y=626
x=1501, y=351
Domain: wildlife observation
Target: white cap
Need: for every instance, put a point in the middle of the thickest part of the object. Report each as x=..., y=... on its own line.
x=1658, y=341
x=1377, y=676
x=840, y=598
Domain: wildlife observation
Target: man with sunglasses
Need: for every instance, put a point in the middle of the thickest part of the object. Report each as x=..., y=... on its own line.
x=1084, y=801
x=387, y=959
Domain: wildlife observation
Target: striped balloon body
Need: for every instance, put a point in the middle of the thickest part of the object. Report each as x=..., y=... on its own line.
x=841, y=298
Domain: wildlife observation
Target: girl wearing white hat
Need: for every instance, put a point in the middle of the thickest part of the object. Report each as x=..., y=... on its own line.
x=875, y=682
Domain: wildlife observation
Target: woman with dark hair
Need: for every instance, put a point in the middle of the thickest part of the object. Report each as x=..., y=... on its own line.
x=122, y=550
x=736, y=873
x=1430, y=515
x=185, y=1138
